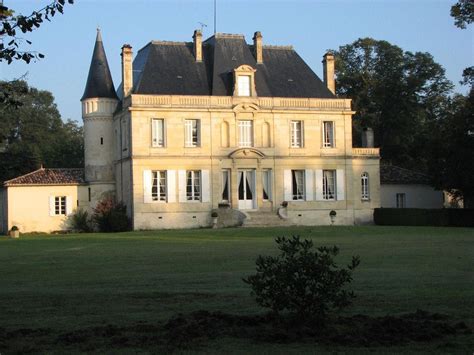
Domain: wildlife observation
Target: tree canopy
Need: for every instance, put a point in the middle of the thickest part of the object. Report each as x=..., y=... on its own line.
x=463, y=13
x=394, y=92
x=33, y=133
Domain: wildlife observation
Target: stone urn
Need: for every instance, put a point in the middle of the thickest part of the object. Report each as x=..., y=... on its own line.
x=332, y=215
x=215, y=218
x=14, y=232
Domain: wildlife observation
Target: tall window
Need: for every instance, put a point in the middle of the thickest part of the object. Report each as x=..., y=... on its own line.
x=329, y=184
x=364, y=183
x=297, y=177
x=225, y=185
x=193, y=185
x=158, y=187
x=158, y=132
x=400, y=200
x=296, y=134
x=328, y=134
x=192, y=133
x=60, y=205
x=244, y=85
x=245, y=134
x=267, y=184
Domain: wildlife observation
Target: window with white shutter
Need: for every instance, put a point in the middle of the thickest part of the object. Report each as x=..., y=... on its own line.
x=328, y=134
x=158, y=132
x=245, y=134
x=296, y=132
x=192, y=133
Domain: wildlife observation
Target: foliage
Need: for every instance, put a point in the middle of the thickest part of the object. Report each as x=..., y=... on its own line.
x=463, y=13
x=14, y=228
x=32, y=132
x=10, y=25
x=110, y=216
x=81, y=221
x=455, y=217
x=396, y=93
x=302, y=281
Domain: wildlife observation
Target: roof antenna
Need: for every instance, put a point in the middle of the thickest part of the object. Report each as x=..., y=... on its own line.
x=215, y=15
x=202, y=26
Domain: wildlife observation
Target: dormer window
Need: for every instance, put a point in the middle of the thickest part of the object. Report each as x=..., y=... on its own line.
x=244, y=81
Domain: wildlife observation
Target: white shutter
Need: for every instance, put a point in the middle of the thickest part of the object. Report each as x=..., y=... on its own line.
x=51, y=206
x=147, y=185
x=319, y=184
x=340, y=185
x=309, y=183
x=287, y=185
x=171, y=185
x=68, y=205
x=182, y=185
x=206, y=195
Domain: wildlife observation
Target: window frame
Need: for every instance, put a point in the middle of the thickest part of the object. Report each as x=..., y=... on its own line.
x=267, y=177
x=60, y=205
x=295, y=194
x=191, y=195
x=160, y=196
x=400, y=200
x=155, y=139
x=224, y=180
x=365, y=191
x=244, y=91
x=296, y=134
x=250, y=139
x=190, y=130
x=328, y=141
x=327, y=195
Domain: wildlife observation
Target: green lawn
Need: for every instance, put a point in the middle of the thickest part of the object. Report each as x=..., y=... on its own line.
x=68, y=282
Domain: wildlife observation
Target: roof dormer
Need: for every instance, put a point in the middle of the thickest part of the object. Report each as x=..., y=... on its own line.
x=244, y=81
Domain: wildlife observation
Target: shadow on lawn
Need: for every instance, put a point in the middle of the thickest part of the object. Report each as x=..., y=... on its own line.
x=193, y=330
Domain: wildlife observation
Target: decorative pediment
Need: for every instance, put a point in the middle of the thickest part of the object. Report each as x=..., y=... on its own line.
x=246, y=106
x=246, y=153
x=245, y=68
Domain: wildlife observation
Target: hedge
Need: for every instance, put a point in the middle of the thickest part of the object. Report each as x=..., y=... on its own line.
x=458, y=217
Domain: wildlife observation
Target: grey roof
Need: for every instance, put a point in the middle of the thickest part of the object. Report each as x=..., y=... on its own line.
x=391, y=174
x=99, y=81
x=162, y=68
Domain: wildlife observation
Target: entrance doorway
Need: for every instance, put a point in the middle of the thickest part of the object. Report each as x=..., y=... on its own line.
x=247, y=196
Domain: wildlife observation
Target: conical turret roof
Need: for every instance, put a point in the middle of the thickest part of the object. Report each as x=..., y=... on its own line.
x=99, y=82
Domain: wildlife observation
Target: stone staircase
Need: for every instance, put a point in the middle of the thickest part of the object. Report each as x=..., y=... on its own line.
x=264, y=219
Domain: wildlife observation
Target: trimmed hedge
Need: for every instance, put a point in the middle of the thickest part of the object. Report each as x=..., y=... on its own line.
x=457, y=217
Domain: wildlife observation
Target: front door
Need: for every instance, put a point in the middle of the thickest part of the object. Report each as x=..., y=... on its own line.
x=247, y=189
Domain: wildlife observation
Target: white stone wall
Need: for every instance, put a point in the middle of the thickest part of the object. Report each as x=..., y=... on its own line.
x=416, y=196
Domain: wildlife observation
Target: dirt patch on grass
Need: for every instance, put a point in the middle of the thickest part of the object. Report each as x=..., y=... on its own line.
x=187, y=331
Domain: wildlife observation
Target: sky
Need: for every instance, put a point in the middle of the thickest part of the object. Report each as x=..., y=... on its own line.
x=311, y=26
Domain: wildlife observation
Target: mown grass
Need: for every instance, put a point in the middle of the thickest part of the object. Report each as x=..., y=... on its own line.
x=70, y=282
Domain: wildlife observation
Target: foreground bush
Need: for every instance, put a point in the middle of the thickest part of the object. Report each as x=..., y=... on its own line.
x=302, y=281
x=81, y=221
x=110, y=216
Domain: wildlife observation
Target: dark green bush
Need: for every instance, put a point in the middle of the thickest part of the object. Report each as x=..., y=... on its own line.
x=424, y=217
x=110, y=216
x=81, y=221
x=303, y=282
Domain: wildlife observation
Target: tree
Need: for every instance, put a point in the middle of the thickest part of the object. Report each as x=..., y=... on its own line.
x=306, y=283
x=395, y=93
x=33, y=133
x=463, y=13
x=10, y=25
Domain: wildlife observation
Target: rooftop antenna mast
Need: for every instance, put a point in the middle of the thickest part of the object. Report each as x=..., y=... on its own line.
x=215, y=16
x=202, y=26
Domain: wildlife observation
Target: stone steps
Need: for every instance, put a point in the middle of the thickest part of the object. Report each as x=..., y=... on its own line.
x=264, y=219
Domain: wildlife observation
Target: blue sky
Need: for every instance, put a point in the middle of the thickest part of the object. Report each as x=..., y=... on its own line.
x=311, y=26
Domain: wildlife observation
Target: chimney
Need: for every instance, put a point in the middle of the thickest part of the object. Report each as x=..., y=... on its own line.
x=328, y=68
x=127, y=70
x=367, y=138
x=257, y=47
x=197, y=37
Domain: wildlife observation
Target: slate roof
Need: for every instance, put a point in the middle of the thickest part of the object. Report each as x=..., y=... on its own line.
x=169, y=68
x=44, y=176
x=99, y=81
x=390, y=174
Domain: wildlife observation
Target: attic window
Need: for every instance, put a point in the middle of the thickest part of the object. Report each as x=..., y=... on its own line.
x=244, y=81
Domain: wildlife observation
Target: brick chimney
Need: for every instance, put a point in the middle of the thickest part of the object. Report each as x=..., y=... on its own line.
x=328, y=68
x=197, y=37
x=127, y=70
x=257, y=47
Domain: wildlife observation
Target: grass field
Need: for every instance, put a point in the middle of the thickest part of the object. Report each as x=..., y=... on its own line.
x=68, y=282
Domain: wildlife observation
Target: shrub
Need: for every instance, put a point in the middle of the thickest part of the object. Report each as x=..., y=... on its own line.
x=81, y=221
x=14, y=228
x=110, y=216
x=459, y=217
x=303, y=282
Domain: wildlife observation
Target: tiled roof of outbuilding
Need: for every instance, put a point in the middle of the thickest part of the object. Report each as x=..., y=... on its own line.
x=169, y=68
x=390, y=174
x=44, y=176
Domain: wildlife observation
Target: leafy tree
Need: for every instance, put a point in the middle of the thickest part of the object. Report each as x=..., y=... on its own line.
x=463, y=13
x=33, y=133
x=306, y=283
x=110, y=216
x=11, y=25
x=396, y=93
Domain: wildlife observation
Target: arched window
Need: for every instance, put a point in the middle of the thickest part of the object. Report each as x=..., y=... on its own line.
x=364, y=181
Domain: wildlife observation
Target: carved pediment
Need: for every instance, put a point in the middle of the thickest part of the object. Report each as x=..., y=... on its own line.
x=246, y=106
x=246, y=153
x=245, y=68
